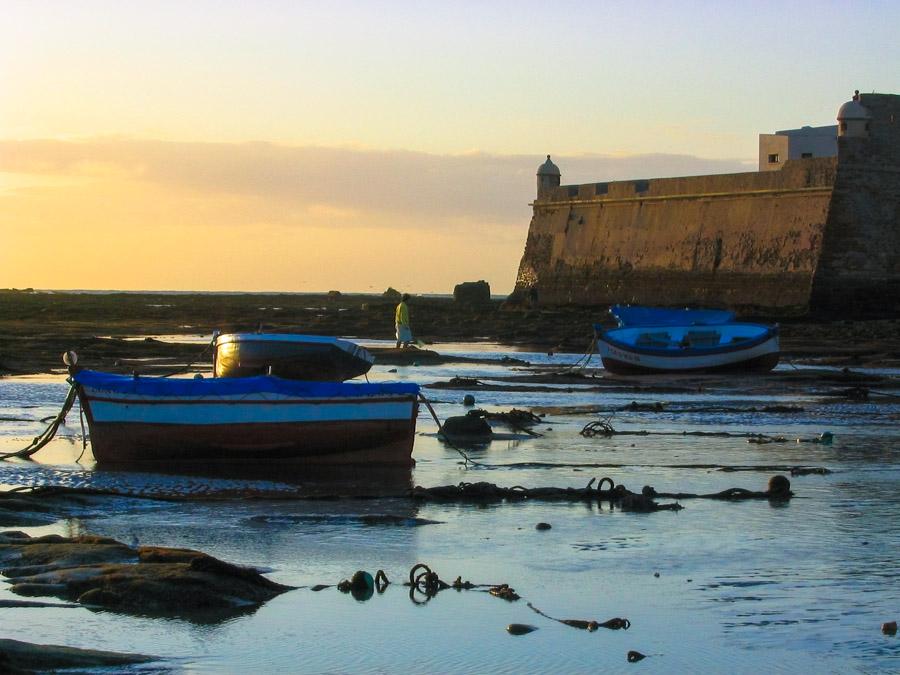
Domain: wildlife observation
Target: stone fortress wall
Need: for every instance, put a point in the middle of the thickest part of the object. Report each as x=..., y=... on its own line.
x=816, y=234
x=859, y=265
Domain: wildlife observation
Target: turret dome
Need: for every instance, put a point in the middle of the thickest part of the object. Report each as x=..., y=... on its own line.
x=548, y=168
x=853, y=110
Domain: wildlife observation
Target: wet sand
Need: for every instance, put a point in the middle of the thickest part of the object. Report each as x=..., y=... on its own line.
x=36, y=328
x=804, y=583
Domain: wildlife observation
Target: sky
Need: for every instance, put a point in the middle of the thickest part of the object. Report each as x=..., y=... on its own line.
x=313, y=146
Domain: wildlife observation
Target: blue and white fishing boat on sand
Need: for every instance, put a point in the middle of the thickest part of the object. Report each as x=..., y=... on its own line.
x=657, y=340
x=137, y=419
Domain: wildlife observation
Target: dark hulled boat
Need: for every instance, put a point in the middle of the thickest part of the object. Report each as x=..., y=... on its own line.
x=314, y=358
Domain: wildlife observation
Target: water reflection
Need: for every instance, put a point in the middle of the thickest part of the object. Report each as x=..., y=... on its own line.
x=748, y=584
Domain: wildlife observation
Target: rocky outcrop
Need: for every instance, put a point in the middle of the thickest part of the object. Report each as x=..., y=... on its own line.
x=472, y=293
x=25, y=657
x=44, y=505
x=102, y=572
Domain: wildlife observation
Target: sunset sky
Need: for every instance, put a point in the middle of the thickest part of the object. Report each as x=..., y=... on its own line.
x=308, y=146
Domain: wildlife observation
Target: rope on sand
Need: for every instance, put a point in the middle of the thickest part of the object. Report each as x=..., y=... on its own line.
x=605, y=429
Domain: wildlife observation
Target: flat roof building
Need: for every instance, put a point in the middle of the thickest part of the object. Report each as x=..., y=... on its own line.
x=803, y=143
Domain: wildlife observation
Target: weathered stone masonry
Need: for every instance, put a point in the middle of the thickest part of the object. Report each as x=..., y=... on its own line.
x=820, y=234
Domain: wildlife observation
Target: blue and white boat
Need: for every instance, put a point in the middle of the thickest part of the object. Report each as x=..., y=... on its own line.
x=138, y=420
x=657, y=340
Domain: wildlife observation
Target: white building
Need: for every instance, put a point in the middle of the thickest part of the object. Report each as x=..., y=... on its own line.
x=775, y=149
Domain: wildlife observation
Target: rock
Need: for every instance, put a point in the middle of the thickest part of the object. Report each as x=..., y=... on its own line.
x=520, y=629
x=466, y=428
x=472, y=293
x=392, y=294
x=33, y=603
x=16, y=656
x=28, y=556
x=635, y=656
x=639, y=503
x=102, y=572
x=38, y=507
x=543, y=526
x=889, y=628
x=334, y=294
x=779, y=486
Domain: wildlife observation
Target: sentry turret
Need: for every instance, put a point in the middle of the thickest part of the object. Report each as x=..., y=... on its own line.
x=548, y=178
x=853, y=119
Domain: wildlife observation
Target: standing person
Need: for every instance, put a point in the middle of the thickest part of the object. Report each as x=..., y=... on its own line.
x=401, y=321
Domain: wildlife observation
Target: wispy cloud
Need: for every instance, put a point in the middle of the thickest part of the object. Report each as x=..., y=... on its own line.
x=344, y=184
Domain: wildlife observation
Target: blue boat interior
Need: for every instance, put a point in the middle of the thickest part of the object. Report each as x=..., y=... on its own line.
x=639, y=315
x=677, y=338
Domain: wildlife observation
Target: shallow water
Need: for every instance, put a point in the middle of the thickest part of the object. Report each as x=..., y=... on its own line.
x=741, y=587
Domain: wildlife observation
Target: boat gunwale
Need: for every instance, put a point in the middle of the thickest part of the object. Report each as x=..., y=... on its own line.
x=198, y=400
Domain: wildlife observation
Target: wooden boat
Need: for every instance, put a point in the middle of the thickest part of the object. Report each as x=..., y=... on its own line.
x=295, y=357
x=137, y=419
x=688, y=348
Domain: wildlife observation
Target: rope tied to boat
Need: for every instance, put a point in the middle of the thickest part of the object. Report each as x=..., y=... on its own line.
x=47, y=435
x=585, y=358
x=466, y=459
x=187, y=367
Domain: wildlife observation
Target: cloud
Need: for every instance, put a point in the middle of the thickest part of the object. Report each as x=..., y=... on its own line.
x=342, y=184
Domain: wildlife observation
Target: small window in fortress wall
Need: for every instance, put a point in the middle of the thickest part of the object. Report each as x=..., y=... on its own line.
x=773, y=158
x=641, y=185
x=806, y=155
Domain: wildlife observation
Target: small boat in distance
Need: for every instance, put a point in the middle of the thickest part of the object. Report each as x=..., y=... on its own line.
x=315, y=358
x=141, y=420
x=656, y=340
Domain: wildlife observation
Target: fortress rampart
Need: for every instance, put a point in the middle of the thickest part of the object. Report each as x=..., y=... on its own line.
x=818, y=233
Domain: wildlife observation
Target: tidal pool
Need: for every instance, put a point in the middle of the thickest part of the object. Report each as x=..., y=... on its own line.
x=740, y=587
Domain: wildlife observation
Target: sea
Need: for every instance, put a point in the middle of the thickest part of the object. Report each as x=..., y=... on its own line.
x=741, y=587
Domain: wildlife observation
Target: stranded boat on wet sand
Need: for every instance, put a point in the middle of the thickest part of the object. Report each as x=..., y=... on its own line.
x=295, y=357
x=685, y=341
x=137, y=419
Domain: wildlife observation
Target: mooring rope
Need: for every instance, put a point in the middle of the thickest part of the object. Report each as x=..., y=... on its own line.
x=186, y=368
x=41, y=440
x=585, y=358
x=468, y=460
